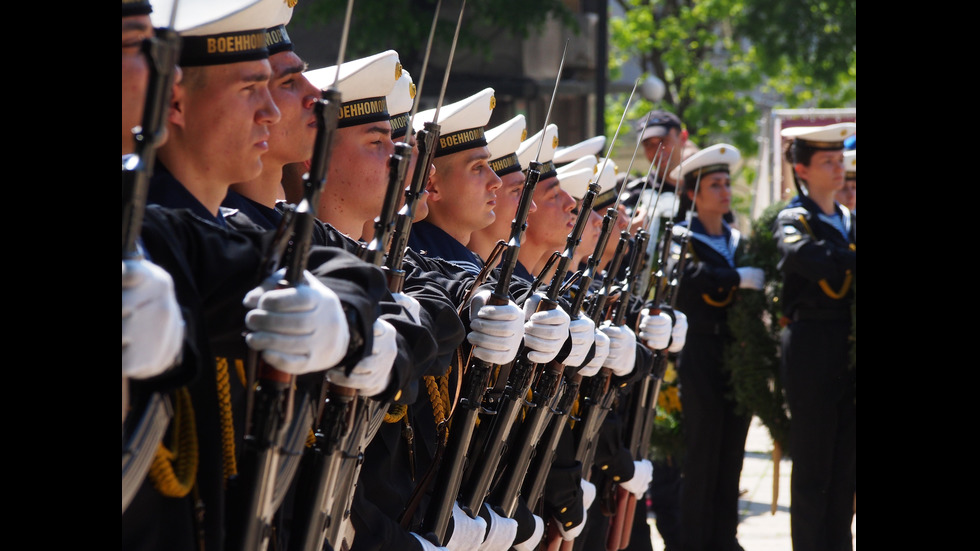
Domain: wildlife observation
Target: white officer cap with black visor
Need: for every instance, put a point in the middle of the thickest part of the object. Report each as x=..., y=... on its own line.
x=720, y=157
x=364, y=85
x=138, y=7
x=850, y=164
x=219, y=32
x=657, y=124
x=569, y=154
x=547, y=141
x=401, y=99
x=503, y=141
x=819, y=138
x=461, y=124
x=575, y=176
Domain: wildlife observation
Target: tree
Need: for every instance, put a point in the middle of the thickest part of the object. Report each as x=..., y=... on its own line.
x=721, y=59
x=404, y=25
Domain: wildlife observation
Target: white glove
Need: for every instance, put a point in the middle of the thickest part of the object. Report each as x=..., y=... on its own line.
x=496, y=331
x=583, y=335
x=622, y=348
x=298, y=329
x=601, y=351
x=642, y=475
x=467, y=532
x=426, y=544
x=751, y=278
x=152, y=326
x=655, y=330
x=372, y=374
x=678, y=334
x=544, y=332
x=532, y=542
x=411, y=306
x=588, y=496
x=501, y=534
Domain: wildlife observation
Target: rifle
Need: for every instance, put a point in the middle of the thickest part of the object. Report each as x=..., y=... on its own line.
x=493, y=439
x=140, y=441
x=645, y=401
x=475, y=380
x=550, y=378
x=391, y=231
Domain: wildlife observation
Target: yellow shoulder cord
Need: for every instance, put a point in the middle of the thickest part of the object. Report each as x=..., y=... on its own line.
x=722, y=303
x=824, y=286
x=395, y=413
x=173, y=473
x=227, y=425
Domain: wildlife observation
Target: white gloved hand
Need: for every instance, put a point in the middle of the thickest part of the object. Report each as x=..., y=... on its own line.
x=751, y=278
x=642, y=475
x=583, y=335
x=467, y=532
x=496, y=331
x=544, y=332
x=532, y=542
x=408, y=302
x=152, y=325
x=426, y=544
x=601, y=351
x=678, y=335
x=372, y=374
x=622, y=348
x=501, y=533
x=298, y=329
x=588, y=496
x=655, y=329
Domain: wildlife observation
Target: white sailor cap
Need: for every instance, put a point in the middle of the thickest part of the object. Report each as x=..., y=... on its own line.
x=529, y=148
x=592, y=146
x=461, y=124
x=608, y=181
x=575, y=176
x=363, y=85
x=221, y=31
x=820, y=137
x=401, y=99
x=719, y=157
x=503, y=141
x=276, y=37
x=850, y=164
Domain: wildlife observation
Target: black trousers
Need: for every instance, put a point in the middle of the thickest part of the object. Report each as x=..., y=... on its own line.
x=714, y=440
x=820, y=391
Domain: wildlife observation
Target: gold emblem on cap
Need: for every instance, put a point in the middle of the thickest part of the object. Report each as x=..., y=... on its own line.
x=722, y=151
x=291, y=3
x=411, y=90
x=493, y=102
x=523, y=134
x=843, y=131
x=398, y=70
x=554, y=143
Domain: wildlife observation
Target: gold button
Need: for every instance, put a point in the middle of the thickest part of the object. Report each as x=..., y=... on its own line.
x=563, y=509
x=567, y=524
x=616, y=478
x=398, y=395
x=604, y=467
